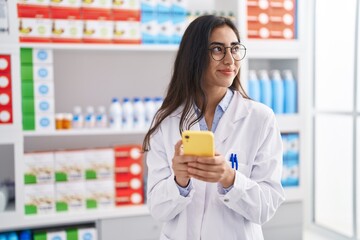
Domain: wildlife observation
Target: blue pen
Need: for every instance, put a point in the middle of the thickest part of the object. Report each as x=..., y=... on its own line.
x=236, y=162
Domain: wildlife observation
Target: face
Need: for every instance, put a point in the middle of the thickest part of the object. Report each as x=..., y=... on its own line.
x=220, y=74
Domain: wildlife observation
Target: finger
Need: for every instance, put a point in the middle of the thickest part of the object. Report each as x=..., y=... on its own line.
x=203, y=175
x=204, y=167
x=178, y=148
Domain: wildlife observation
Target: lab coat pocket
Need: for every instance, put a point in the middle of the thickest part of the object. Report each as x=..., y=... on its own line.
x=240, y=157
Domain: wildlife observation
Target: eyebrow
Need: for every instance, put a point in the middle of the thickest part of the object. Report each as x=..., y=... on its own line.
x=222, y=44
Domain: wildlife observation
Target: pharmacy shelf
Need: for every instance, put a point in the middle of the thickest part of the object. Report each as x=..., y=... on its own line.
x=20, y=221
x=83, y=132
x=95, y=47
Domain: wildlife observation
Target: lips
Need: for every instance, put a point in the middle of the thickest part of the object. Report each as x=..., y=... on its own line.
x=227, y=71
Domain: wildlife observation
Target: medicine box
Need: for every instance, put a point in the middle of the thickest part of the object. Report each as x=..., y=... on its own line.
x=39, y=199
x=100, y=194
x=70, y=197
x=39, y=168
x=69, y=166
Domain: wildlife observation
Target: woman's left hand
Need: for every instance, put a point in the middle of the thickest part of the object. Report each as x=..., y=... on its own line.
x=212, y=169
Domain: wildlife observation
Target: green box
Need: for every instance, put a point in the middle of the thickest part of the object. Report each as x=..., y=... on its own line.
x=27, y=90
x=28, y=106
x=28, y=122
x=26, y=55
x=29, y=179
x=61, y=207
x=91, y=203
x=30, y=209
x=27, y=73
x=40, y=235
x=72, y=234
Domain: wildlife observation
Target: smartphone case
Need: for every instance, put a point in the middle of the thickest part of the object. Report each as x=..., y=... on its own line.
x=198, y=143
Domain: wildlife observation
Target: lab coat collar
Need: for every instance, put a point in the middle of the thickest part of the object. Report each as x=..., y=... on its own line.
x=238, y=109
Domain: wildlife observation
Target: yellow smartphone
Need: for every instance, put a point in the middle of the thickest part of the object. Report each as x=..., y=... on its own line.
x=198, y=143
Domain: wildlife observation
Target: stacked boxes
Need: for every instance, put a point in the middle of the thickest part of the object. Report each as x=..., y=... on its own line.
x=271, y=19
x=39, y=183
x=291, y=172
x=34, y=21
x=70, y=181
x=67, y=24
x=6, y=112
x=37, y=84
x=163, y=22
x=99, y=174
x=129, y=175
x=126, y=14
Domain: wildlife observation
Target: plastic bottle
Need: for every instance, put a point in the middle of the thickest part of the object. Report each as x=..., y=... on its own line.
x=158, y=101
x=139, y=113
x=12, y=236
x=290, y=91
x=277, y=92
x=89, y=121
x=115, y=114
x=265, y=88
x=254, y=86
x=149, y=111
x=25, y=235
x=78, y=118
x=128, y=114
x=101, y=118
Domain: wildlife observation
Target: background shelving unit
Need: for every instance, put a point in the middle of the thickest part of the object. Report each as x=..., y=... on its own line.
x=91, y=74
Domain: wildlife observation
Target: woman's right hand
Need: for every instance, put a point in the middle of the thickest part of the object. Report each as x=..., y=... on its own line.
x=180, y=165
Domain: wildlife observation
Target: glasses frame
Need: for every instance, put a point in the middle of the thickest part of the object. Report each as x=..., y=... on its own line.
x=237, y=45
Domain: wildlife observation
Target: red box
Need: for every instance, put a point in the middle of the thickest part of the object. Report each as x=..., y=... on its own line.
x=129, y=197
x=5, y=64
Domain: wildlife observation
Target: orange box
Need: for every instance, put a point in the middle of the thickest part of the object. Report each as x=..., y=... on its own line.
x=6, y=112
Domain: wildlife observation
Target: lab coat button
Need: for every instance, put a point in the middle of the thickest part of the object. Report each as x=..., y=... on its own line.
x=226, y=200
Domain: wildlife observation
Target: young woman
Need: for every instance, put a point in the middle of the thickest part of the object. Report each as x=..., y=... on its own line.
x=208, y=197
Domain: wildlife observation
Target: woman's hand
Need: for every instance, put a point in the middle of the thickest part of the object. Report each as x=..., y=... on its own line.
x=180, y=165
x=212, y=169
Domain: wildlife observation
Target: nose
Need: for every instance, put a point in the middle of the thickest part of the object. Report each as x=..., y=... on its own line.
x=228, y=59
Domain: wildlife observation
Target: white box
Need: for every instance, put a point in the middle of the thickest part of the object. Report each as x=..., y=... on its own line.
x=70, y=197
x=104, y=4
x=66, y=3
x=127, y=31
x=87, y=233
x=45, y=122
x=99, y=163
x=39, y=167
x=68, y=29
x=43, y=89
x=126, y=4
x=98, y=29
x=44, y=105
x=39, y=199
x=100, y=194
x=58, y=235
x=35, y=28
x=42, y=56
x=69, y=166
x=43, y=72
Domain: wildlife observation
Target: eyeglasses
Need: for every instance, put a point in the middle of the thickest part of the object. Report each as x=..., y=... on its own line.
x=218, y=52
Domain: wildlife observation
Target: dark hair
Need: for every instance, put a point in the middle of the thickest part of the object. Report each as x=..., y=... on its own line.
x=191, y=62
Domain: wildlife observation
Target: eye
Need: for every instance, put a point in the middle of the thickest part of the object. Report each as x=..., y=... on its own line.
x=217, y=50
x=235, y=49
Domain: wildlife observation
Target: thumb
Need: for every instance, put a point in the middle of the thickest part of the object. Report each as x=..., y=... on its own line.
x=178, y=150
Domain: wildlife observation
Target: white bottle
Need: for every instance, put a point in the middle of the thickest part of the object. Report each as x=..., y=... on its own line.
x=158, y=102
x=115, y=114
x=89, y=121
x=149, y=111
x=101, y=118
x=139, y=113
x=78, y=118
x=128, y=114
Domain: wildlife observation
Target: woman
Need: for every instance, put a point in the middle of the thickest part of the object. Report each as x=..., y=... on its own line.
x=204, y=197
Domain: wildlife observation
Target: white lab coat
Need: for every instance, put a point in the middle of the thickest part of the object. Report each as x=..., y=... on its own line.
x=248, y=129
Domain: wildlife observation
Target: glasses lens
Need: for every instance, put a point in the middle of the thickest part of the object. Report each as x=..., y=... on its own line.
x=238, y=52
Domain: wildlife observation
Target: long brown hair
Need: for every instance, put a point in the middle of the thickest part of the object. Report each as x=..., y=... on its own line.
x=185, y=87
